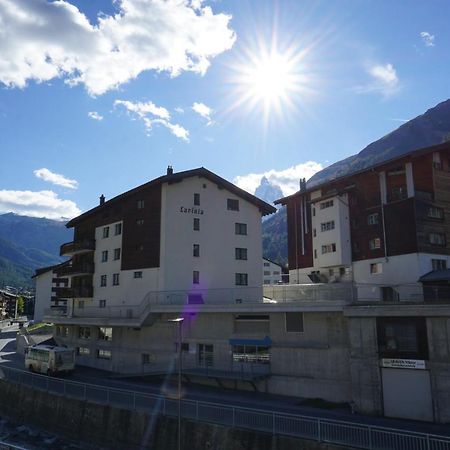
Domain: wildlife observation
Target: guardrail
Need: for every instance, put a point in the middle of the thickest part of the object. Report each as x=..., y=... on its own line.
x=349, y=434
x=7, y=446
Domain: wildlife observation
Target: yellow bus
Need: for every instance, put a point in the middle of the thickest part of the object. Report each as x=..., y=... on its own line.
x=49, y=359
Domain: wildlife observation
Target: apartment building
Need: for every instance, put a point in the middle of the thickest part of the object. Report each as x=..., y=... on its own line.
x=383, y=232
x=384, y=226
x=272, y=272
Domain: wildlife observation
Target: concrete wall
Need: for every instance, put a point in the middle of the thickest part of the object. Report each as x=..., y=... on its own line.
x=115, y=428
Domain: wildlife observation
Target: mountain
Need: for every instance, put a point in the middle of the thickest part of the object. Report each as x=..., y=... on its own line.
x=274, y=237
x=267, y=191
x=430, y=128
x=27, y=243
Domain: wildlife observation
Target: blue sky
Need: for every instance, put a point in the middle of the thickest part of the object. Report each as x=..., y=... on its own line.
x=97, y=98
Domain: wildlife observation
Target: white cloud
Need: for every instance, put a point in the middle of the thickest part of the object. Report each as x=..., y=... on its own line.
x=287, y=179
x=95, y=115
x=37, y=204
x=45, y=40
x=179, y=110
x=55, y=178
x=204, y=111
x=384, y=80
x=428, y=39
x=151, y=114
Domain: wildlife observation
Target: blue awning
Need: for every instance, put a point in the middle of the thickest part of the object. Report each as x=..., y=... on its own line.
x=267, y=342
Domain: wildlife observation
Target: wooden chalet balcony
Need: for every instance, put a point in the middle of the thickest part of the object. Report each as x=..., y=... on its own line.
x=77, y=247
x=74, y=292
x=72, y=269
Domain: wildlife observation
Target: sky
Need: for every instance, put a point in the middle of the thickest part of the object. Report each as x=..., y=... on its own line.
x=97, y=97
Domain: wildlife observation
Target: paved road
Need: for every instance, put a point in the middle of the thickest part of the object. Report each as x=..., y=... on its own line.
x=256, y=400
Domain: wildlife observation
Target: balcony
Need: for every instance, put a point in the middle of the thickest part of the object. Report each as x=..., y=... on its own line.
x=71, y=269
x=77, y=247
x=74, y=292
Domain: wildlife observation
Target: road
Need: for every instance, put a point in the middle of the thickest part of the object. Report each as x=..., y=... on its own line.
x=229, y=397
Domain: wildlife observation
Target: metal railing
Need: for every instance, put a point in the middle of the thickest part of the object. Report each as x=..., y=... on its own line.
x=349, y=434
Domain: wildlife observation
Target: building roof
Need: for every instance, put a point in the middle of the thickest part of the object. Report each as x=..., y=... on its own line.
x=411, y=154
x=43, y=270
x=436, y=275
x=264, y=207
x=273, y=262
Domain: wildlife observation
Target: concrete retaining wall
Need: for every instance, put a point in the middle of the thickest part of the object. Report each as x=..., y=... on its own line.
x=121, y=429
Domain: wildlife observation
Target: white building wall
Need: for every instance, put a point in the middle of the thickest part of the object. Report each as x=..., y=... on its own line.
x=340, y=235
x=402, y=272
x=216, y=264
x=43, y=294
x=130, y=291
x=271, y=272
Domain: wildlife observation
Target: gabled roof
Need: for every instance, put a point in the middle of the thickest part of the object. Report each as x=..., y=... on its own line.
x=264, y=207
x=411, y=154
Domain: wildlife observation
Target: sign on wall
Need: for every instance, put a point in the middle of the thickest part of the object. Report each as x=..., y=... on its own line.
x=403, y=363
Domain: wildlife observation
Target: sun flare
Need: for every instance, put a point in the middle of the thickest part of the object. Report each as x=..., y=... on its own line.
x=270, y=80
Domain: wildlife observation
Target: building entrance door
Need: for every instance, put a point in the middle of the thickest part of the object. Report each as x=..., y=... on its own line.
x=407, y=394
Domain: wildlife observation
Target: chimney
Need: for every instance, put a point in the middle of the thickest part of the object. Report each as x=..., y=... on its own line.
x=302, y=184
x=169, y=170
x=102, y=199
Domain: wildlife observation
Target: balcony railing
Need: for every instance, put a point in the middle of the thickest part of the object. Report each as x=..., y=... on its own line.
x=74, y=292
x=72, y=269
x=81, y=246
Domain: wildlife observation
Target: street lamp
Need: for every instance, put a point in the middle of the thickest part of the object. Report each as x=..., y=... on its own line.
x=179, y=320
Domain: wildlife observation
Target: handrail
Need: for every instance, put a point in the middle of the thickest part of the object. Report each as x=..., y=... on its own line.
x=319, y=433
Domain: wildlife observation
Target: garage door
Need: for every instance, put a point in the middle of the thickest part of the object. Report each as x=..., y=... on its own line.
x=407, y=394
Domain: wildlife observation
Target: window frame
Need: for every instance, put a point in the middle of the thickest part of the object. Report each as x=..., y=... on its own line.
x=232, y=204
x=105, y=233
x=241, y=254
x=241, y=279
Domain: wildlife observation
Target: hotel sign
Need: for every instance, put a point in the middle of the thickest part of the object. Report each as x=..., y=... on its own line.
x=197, y=211
x=403, y=363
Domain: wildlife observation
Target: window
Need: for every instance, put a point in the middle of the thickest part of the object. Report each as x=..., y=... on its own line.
x=439, y=264
x=115, y=279
x=145, y=358
x=241, y=279
x=314, y=232
x=328, y=248
x=326, y=226
x=103, y=354
x=105, y=334
x=240, y=228
x=83, y=351
x=116, y=254
x=267, y=272
x=103, y=281
x=266, y=264
x=104, y=255
x=372, y=219
x=196, y=224
x=250, y=354
x=137, y=274
x=105, y=232
x=185, y=346
x=102, y=303
x=389, y=294
x=240, y=253
x=276, y=272
x=197, y=199
x=294, y=322
x=195, y=277
x=84, y=332
x=315, y=253
x=437, y=239
x=402, y=337
x=205, y=355
x=196, y=250
x=140, y=222
x=374, y=244
x=118, y=229
x=435, y=213
x=376, y=268
x=252, y=324
x=327, y=204
x=232, y=204
x=140, y=204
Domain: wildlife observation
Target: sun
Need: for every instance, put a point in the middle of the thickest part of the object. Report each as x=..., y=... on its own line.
x=270, y=80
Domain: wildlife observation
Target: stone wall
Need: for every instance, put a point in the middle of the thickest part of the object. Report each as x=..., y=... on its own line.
x=109, y=427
